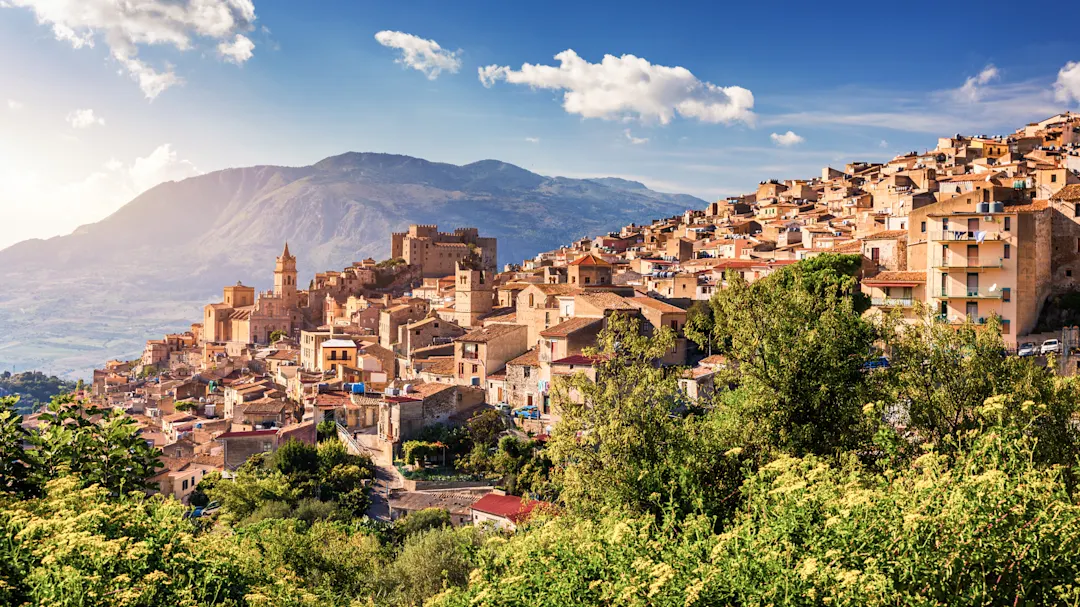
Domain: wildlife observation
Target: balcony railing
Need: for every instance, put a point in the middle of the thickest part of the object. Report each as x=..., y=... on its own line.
x=970, y=293
x=892, y=302
x=967, y=263
x=964, y=236
x=467, y=355
x=959, y=319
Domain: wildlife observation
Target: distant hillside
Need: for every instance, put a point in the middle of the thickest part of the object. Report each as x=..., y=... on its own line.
x=33, y=388
x=147, y=268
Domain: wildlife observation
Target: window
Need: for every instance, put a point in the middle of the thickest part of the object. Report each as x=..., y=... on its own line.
x=475, y=368
x=1053, y=178
x=461, y=369
x=267, y=446
x=1008, y=224
x=588, y=280
x=922, y=227
x=185, y=485
x=527, y=372
x=1004, y=326
x=1076, y=210
x=875, y=253
x=533, y=303
x=1008, y=251
x=1006, y=294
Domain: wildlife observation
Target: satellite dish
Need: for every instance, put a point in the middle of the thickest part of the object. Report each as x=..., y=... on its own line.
x=993, y=287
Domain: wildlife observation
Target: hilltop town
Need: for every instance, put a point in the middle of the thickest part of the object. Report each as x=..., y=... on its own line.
x=976, y=228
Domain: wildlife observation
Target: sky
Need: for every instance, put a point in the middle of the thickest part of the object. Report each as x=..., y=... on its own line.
x=101, y=100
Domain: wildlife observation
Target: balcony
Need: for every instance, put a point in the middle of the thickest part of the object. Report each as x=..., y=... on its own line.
x=470, y=355
x=969, y=293
x=960, y=319
x=892, y=302
x=971, y=264
x=964, y=236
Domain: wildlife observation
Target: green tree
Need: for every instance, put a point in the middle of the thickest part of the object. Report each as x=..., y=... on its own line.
x=485, y=427
x=799, y=343
x=623, y=443
x=939, y=376
x=16, y=463
x=700, y=326
x=296, y=457
x=99, y=446
x=421, y=521
x=431, y=562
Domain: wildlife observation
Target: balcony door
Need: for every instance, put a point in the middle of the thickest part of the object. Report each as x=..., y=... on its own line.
x=973, y=255
x=972, y=284
x=972, y=310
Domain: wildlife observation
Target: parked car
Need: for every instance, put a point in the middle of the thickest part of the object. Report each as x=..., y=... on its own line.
x=1050, y=345
x=1026, y=349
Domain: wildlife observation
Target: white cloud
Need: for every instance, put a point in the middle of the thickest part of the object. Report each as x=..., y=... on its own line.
x=420, y=54
x=238, y=51
x=1067, y=86
x=635, y=140
x=81, y=119
x=786, y=140
x=40, y=206
x=126, y=25
x=1001, y=106
x=14, y=105
x=972, y=89
x=883, y=144
x=532, y=139
x=629, y=87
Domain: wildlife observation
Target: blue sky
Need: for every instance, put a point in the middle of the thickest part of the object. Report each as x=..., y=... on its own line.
x=309, y=79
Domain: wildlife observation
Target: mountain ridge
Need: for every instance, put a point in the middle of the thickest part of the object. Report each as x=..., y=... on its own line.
x=148, y=267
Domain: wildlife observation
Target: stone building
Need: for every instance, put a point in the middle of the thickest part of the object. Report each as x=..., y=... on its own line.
x=437, y=253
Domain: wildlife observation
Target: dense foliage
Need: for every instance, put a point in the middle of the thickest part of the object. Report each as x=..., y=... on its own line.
x=947, y=477
x=34, y=388
x=297, y=481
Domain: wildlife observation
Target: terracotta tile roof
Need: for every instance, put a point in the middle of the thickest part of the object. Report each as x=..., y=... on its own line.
x=247, y=434
x=558, y=289
x=607, y=301
x=1070, y=193
x=855, y=246
x=902, y=276
x=264, y=406
x=1033, y=206
x=439, y=365
x=528, y=359
x=887, y=235
x=971, y=177
x=569, y=327
x=576, y=359
x=655, y=304
x=590, y=260
x=509, y=507
x=430, y=389
x=490, y=332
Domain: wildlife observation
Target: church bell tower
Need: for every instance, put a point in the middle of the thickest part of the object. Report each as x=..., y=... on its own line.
x=285, y=276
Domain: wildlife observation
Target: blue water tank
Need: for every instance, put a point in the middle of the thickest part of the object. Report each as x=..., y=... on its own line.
x=358, y=388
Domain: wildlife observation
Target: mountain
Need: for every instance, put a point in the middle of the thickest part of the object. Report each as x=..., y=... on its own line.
x=73, y=301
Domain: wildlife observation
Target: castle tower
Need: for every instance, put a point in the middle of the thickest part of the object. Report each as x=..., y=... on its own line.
x=473, y=292
x=285, y=276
